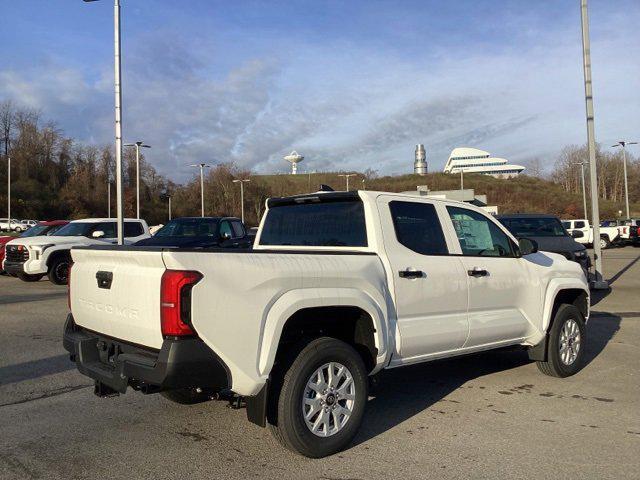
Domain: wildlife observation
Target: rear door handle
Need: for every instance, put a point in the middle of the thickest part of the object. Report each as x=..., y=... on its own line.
x=411, y=274
x=477, y=272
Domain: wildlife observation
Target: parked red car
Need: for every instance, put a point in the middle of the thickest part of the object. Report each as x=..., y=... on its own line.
x=41, y=228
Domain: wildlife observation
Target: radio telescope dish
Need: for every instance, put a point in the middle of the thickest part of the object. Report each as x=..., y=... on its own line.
x=294, y=158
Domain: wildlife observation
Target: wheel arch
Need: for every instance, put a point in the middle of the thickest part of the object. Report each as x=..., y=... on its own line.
x=349, y=314
x=56, y=253
x=562, y=291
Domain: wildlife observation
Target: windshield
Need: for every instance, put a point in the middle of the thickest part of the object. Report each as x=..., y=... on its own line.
x=41, y=230
x=72, y=229
x=534, y=227
x=189, y=227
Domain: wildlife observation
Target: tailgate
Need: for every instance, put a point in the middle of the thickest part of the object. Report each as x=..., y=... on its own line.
x=116, y=292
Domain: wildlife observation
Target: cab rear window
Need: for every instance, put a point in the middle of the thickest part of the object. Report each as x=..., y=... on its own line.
x=321, y=224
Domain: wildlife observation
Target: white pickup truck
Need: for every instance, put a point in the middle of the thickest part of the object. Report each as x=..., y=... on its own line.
x=31, y=258
x=582, y=232
x=339, y=286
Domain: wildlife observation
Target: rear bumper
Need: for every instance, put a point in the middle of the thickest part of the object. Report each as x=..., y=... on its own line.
x=180, y=363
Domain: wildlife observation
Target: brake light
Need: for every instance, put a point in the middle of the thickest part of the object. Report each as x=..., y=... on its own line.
x=175, y=301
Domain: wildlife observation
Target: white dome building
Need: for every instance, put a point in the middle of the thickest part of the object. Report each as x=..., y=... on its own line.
x=473, y=160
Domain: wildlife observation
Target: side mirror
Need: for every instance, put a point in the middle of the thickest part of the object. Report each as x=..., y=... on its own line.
x=577, y=234
x=527, y=246
x=97, y=234
x=225, y=236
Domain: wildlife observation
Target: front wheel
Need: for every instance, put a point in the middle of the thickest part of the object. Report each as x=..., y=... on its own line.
x=59, y=270
x=322, y=399
x=565, y=348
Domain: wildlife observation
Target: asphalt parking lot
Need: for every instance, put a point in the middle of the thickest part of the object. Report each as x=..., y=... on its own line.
x=484, y=416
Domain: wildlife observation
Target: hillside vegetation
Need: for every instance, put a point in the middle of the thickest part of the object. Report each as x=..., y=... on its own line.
x=53, y=176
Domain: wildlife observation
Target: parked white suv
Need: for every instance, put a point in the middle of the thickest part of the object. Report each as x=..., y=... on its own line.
x=32, y=258
x=338, y=287
x=14, y=225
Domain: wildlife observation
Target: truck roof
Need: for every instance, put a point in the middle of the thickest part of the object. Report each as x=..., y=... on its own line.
x=91, y=220
x=351, y=195
x=526, y=215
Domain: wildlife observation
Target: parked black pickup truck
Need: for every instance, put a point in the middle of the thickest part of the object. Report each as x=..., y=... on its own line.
x=549, y=234
x=200, y=232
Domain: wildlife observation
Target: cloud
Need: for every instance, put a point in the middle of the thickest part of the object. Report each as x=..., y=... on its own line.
x=341, y=104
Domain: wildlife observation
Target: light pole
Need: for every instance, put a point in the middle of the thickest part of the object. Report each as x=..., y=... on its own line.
x=461, y=179
x=9, y=192
x=202, y=167
x=118, y=119
x=138, y=146
x=623, y=144
x=346, y=177
x=241, y=182
x=599, y=282
x=584, y=189
x=108, y=198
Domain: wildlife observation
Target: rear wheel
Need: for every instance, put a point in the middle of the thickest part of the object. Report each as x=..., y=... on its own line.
x=25, y=277
x=322, y=399
x=59, y=270
x=565, y=349
x=604, y=242
x=185, y=396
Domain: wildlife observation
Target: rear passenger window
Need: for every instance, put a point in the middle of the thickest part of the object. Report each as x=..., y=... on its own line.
x=418, y=228
x=238, y=230
x=579, y=225
x=133, y=229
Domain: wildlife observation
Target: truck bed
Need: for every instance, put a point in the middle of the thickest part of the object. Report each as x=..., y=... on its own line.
x=239, y=292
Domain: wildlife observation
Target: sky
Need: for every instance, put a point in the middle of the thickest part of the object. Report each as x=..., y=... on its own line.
x=350, y=85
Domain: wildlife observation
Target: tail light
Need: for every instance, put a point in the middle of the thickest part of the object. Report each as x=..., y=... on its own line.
x=175, y=301
x=69, y=286
x=638, y=232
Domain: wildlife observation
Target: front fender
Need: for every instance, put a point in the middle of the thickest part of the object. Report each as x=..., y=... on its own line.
x=553, y=288
x=296, y=300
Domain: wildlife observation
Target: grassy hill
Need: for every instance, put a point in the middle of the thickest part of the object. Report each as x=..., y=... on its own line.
x=521, y=194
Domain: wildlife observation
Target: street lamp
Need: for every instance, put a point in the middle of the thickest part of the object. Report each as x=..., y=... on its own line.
x=623, y=144
x=599, y=282
x=9, y=192
x=202, y=167
x=108, y=197
x=168, y=195
x=346, y=177
x=138, y=146
x=241, y=182
x=584, y=190
x=118, y=119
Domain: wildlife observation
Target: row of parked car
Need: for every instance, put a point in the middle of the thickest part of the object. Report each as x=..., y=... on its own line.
x=45, y=249
x=15, y=225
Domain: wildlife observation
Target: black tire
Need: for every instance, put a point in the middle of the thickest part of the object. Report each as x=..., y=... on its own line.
x=185, y=396
x=25, y=277
x=290, y=428
x=555, y=366
x=59, y=269
x=604, y=242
